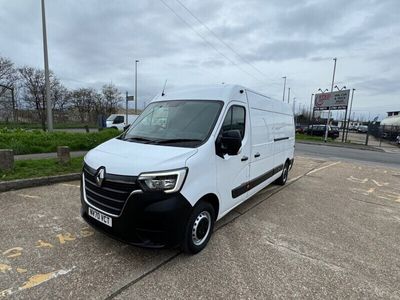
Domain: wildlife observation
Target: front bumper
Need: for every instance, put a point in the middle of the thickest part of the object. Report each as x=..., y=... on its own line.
x=148, y=219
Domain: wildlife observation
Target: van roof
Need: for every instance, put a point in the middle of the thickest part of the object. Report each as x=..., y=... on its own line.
x=223, y=92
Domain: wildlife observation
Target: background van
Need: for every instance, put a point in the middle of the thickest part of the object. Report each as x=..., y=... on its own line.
x=118, y=121
x=191, y=157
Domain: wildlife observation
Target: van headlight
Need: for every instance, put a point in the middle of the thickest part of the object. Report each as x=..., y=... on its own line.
x=168, y=181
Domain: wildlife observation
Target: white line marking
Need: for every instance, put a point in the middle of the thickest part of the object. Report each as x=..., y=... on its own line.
x=29, y=196
x=295, y=178
x=71, y=185
x=324, y=167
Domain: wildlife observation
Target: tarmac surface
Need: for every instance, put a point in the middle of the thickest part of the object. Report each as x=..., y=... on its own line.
x=331, y=232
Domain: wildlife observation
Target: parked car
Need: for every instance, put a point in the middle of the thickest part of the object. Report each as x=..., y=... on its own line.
x=362, y=129
x=300, y=128
x=319, y=130
x=185, y=163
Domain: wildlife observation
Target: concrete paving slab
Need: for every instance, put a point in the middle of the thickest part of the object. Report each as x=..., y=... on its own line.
x=47, y=250
x=332, y=232
x=296, y=244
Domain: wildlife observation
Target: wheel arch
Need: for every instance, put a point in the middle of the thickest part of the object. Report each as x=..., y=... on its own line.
x=213, y=200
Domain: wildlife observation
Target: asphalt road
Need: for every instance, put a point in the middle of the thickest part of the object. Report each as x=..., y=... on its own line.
x=348, y=154
x=308, y=239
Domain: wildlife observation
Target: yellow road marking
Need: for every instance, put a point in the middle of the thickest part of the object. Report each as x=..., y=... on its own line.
x=42, y=244
x=13, y=252
x=21, y=270
x=4, y=268
x=34, y=281
x=65, y=237
x=85, y=232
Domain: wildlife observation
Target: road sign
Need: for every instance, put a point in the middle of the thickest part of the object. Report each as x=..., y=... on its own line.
x=334, y=100
x=130, y=98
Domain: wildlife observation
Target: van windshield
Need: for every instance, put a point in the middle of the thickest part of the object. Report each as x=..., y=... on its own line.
x=180, y=123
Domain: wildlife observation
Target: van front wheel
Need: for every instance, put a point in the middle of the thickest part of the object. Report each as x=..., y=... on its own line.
x=199, y=228
x=285, y=172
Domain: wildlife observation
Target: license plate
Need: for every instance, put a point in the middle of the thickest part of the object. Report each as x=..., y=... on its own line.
x=100, y=217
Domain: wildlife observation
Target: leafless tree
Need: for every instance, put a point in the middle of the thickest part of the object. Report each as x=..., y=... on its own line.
x=83, y=101
x=111, y=98
x=8, y=80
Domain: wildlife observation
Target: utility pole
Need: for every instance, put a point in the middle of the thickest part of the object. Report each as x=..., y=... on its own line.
x=351, y=105
x=311, y=108
x=288, y=97
x=284, y=88
x=46, y=73
x=329, y=111
x=126, y=108
x=136, y=99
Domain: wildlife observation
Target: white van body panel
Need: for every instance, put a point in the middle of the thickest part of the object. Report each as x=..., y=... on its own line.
x=269, y=132
x=131, y=159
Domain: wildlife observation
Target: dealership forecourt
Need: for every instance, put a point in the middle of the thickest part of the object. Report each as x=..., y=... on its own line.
x=332, y=231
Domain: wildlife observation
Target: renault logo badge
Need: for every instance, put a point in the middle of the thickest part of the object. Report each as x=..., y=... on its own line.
x=101, y=173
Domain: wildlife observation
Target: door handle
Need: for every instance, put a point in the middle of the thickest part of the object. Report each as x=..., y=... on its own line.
x=257, y=155
x=244, y=158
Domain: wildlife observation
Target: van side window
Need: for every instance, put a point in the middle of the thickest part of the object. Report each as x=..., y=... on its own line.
x=235, y=119
x=118, y=120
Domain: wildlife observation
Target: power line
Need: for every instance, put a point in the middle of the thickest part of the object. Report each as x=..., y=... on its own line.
x=207, y=42
x=222, y=41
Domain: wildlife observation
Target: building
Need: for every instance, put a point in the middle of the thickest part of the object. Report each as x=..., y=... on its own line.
x=393, y=119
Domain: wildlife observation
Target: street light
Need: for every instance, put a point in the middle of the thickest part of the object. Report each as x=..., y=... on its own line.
x=319, y=90
x=329, y=111
x=284, y=88
x=46, y=73
x=348, y=122
x=136, y=100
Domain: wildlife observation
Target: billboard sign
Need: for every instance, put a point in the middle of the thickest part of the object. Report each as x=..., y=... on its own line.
x=334, y=100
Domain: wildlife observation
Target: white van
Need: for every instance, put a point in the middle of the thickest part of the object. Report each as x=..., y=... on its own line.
x=191, y=157
x=118, y=121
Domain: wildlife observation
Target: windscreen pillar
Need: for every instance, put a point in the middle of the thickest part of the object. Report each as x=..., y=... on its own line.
x=63, y=154
x=6, y=159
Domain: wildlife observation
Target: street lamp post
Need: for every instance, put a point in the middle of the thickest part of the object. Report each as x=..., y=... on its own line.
x=329, y=111
x=348, y=122
x=288, y=98
x=136, y=99
x=284, y=88
x=46, y=73
x=311, y=110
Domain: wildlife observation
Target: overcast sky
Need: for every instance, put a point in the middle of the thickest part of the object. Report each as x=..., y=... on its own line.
x=93, y=42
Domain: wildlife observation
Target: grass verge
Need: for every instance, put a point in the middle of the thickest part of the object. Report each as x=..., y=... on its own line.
x=305, y=137
x=24, y=169
x=37, y=141
x=21, y=125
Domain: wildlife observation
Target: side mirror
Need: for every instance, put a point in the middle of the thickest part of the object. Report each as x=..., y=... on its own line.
x=230, y=142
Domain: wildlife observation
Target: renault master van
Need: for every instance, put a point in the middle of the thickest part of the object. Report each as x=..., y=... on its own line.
x=192, y=156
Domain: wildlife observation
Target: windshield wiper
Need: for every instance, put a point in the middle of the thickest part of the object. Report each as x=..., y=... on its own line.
x=138, y=138
x=177, y=141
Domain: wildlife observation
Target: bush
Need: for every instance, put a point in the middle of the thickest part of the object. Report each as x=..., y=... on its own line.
x=36, y=141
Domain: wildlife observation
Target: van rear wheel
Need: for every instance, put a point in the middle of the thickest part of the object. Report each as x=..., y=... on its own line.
x=199, y=228
x=285, y=172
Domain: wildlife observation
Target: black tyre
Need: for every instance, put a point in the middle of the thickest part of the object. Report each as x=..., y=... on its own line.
x=282, y=180
x=199, y=228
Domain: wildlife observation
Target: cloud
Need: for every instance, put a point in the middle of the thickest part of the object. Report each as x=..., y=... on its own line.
x=93, y=42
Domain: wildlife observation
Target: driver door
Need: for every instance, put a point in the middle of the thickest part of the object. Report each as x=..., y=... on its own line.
x=233, y=170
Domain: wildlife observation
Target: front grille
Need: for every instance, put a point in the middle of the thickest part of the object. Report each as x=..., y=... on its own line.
x=113, y=192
